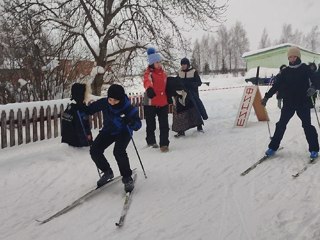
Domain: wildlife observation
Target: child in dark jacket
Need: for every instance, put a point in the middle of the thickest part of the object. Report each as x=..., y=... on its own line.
x=75, y=126
x=120, y=119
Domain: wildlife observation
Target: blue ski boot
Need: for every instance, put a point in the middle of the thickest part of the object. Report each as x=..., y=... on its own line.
x=270, y=152
x=313, y=154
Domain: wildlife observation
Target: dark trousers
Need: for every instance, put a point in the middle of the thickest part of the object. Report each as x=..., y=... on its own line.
x=309, y=130
x=104, y=140
x=150, y=113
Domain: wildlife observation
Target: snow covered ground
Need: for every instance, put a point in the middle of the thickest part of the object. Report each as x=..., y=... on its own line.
x=193, y=192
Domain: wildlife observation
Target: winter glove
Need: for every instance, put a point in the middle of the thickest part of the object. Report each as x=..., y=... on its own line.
x=150, y=93
x=128, y=121
x=311, y=91
x=264, y=101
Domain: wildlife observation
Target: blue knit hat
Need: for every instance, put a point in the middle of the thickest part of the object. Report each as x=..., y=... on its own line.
x=153, y=56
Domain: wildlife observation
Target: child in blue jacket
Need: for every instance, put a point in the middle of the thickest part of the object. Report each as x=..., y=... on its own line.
x=120, y=119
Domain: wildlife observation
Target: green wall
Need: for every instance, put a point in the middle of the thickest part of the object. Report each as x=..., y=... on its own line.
x=274, y=58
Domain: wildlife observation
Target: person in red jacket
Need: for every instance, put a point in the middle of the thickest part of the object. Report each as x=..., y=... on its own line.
x=155, y=101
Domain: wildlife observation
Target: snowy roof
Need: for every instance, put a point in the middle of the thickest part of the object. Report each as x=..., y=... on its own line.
x=250, y=53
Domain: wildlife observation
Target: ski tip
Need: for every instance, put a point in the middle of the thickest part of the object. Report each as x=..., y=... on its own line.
x=245, y=172
x=39, y=221
x=118, y=224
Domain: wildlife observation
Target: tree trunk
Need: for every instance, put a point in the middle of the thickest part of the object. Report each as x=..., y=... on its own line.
x=97, y=85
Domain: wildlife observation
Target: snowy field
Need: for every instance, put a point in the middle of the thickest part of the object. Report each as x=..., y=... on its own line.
x=193, y=192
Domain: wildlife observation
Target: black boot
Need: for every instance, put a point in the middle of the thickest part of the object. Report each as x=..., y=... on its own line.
x=106, y=177
x=128, y=184
x=199, y=128
x=180, y=134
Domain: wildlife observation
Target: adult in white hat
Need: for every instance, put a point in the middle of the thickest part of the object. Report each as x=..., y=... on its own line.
x=296, y=84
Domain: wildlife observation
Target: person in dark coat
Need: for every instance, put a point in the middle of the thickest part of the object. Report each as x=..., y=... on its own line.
x=279, y=92
x=120, y=119
x=294, y=82
x=75, y=126
x=191, y=81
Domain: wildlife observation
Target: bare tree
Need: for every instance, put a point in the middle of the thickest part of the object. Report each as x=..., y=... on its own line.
x=30, y=48
x=111, y=29
x=312, y=39
x=205, y=53
x=196, y=56
x=223, y=39
x=265, y=40
x=240, y=44
x=290, y=36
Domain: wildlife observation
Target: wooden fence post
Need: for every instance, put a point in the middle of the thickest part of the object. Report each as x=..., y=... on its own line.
x=35, y=124
x=3, y=130
x=48, y=122
x=12, y=128
x=27, y=121
x=41, y=123
x=55, y=122
x=19, y=126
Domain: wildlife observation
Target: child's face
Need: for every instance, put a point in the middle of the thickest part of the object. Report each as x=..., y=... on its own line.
x=184, y=66
x=157, y=65
x=113, y=101
x=292, y=59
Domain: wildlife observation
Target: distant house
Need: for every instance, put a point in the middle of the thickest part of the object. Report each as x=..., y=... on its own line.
x=275, y=56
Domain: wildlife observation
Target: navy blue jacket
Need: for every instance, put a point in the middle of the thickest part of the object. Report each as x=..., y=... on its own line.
x=118, y=118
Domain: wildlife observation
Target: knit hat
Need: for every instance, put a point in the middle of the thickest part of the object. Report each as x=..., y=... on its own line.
x=153, y=56
x=77, y=92
x=185, y=61
x=294, y=51
x=116, y=91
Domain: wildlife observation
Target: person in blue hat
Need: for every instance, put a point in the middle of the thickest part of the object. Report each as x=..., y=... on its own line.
x=156, y=101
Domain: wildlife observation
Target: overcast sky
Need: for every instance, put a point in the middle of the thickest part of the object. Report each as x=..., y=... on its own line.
x=272, y=14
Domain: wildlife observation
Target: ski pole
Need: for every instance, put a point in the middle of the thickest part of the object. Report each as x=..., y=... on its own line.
x=84, y=131
x=269, y=84
x=144, y=172
x=315, y=110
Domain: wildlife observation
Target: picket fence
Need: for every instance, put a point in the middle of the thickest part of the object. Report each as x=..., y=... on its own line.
x=43, y=124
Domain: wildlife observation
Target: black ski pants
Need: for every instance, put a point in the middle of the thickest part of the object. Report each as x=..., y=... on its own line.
x=309, y=130
x=150, y=113
x=103, y=141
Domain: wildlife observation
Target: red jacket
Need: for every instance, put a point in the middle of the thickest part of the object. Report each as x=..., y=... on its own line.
x=157, y=79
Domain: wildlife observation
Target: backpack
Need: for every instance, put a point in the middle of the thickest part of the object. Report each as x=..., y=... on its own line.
x=75, y=127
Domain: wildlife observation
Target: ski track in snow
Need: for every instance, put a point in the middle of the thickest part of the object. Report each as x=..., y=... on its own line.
x=194, y=191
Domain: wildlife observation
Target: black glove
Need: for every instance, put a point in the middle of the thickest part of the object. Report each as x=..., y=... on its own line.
x=311, y=91
x=150, y=93
x=264, y=101
x=128, y=121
